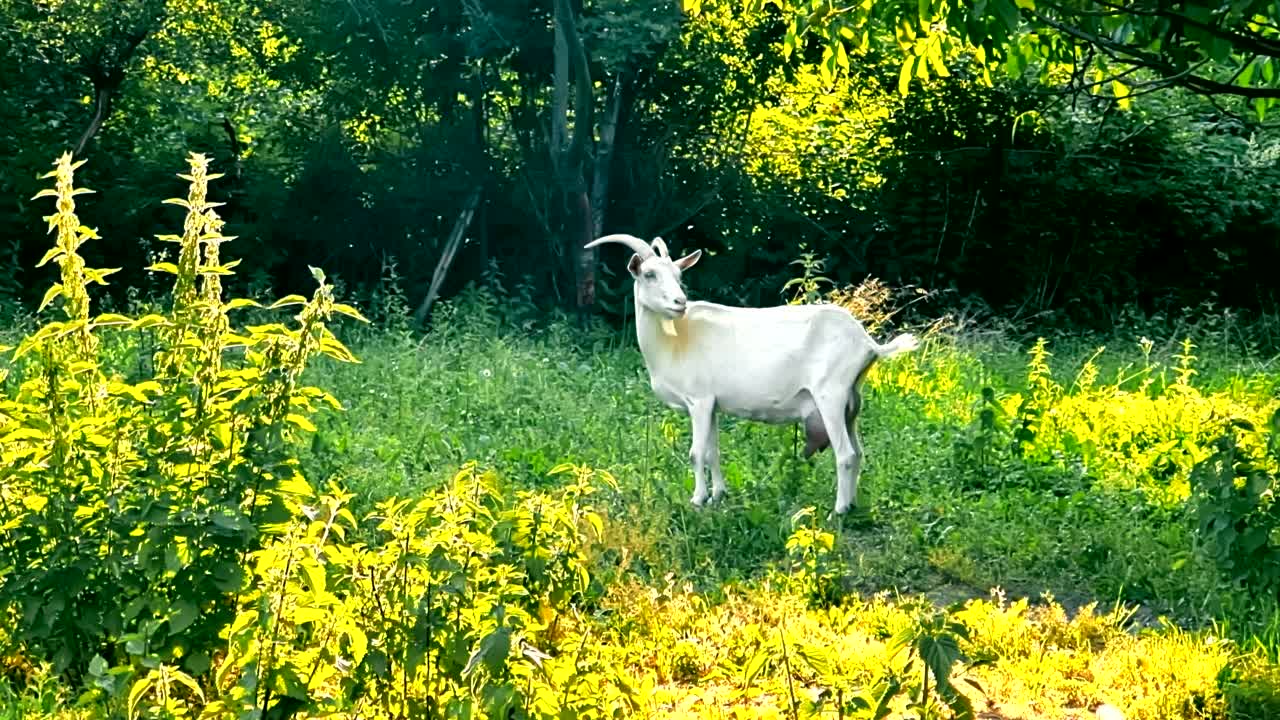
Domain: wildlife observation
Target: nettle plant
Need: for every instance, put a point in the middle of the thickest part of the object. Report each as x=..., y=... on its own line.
x=462, y=603
x=128, y=505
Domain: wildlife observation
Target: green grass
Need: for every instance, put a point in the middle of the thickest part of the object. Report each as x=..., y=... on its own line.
x=686, y=593
x=524, y=401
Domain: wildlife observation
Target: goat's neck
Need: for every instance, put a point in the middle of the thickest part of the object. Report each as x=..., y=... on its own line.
x=653, y=332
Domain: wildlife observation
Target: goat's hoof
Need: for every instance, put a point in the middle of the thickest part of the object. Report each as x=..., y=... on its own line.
x=716, y=497
x=698, y=501
x=852, y=516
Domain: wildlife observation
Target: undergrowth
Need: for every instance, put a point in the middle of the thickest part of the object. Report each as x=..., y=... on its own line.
x=187, y=535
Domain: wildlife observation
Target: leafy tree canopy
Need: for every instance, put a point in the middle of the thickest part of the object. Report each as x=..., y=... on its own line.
x=1119, y=48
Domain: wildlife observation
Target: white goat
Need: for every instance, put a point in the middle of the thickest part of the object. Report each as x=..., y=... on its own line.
x=778, y=365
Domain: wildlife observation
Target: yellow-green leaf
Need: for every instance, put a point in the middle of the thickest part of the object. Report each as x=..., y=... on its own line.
x=904, y=75
x=53, y=253
x=34, y=503
x=49, y=295
x=288, y=300
x=112, y=319
x=351, y=312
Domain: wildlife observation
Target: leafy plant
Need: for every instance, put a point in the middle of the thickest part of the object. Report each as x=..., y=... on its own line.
x=129, y=503
x=1234, y=511
x=816, y=571
x=807, y=288
x=933, y=641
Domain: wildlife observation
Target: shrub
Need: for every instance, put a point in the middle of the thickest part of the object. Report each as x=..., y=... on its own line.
x=129, y=503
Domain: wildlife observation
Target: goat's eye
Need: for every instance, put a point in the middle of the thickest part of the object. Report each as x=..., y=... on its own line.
x=649, y=274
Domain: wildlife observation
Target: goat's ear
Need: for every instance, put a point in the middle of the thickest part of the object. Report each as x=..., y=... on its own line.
x=689, y=260
x=660, y=247
x=633, y=266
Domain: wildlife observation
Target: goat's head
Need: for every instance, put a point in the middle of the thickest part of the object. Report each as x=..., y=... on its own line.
x=657, y=276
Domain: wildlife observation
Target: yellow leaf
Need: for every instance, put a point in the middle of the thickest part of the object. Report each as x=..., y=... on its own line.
x=112, y=319
x=287, y=301
x=904, y=76
x=351, y=312
x=49, y=295
x=53, y=253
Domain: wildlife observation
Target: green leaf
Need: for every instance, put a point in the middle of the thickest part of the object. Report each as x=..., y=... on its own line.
x=98, y=666
x=1246, y=74
x=789, y=42
x=492, y=651
x=184, y=614
x=939, y=652
x=1007, y=12
x=313, y=577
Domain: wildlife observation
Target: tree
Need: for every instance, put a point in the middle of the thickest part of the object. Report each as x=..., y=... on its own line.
x=1121, y=47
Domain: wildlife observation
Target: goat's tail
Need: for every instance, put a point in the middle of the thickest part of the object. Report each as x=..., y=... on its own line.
x=906, y=342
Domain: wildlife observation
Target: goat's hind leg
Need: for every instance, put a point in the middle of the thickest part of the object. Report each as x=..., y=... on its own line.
x=834, y=409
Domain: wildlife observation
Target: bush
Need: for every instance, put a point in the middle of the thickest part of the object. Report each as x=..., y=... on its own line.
x=130, y=502
x=158, y=529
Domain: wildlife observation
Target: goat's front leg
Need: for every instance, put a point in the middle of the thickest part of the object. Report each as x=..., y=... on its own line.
x=701, y=416
x=713, y=459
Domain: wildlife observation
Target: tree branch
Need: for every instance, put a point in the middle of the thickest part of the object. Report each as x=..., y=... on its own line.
x=1185, y=77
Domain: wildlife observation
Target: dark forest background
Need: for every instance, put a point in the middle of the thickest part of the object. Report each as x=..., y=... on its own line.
x=364, y=135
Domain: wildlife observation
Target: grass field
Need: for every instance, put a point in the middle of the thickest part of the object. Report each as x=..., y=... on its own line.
x=1028, y=506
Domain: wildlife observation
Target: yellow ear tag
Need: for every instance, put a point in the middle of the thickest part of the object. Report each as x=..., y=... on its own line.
x=669, y=326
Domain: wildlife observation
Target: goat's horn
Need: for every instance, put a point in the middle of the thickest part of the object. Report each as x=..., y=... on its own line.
x=640, y=247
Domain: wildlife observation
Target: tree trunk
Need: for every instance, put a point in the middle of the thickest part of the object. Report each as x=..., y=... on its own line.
x=101, y=109
x=446, y=256
x=569, y=152
x=106, y=71
x=480, y=110
x=604, y=159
